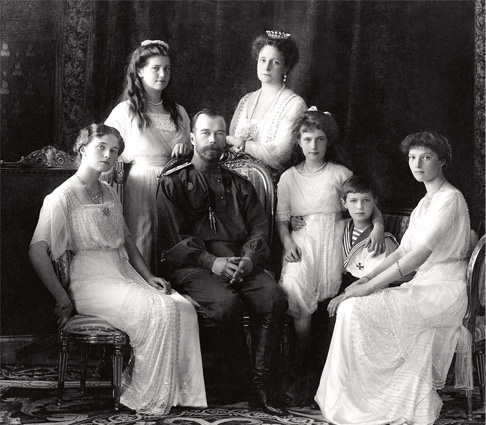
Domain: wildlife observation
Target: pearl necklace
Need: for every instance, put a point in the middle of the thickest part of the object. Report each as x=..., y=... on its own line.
x=314, y=171
x=95, y=196
x=275, y=99
x=155, y=104
x=428, y=197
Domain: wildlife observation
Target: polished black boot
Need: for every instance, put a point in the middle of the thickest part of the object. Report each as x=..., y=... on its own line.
x=264, y=338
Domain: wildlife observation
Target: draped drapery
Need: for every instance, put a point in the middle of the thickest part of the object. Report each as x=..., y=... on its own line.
x=384, y=69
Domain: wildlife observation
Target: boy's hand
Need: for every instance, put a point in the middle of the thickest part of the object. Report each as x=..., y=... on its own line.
x=376, y=241
x=297, y=223
x=293, y=254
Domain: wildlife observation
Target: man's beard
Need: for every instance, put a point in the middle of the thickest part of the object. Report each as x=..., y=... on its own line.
x=210, y=153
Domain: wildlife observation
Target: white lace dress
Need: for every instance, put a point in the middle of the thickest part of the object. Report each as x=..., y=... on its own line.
x=166, y=369
x=316, y=197
x=145, y=154
x=392, y=349
x=271, y=137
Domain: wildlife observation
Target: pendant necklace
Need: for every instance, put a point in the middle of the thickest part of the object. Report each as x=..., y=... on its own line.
x=428, y=197
x=96, y=196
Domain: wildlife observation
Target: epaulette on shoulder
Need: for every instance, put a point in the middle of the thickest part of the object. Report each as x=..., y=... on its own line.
x=176, y=168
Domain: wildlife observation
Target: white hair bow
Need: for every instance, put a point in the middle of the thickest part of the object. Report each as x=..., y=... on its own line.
x=314, y=109
x=162, y=43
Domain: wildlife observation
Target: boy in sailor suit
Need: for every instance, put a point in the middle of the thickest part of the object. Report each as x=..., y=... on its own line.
x=359, y=198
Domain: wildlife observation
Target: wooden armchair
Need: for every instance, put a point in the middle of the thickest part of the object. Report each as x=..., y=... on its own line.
x=474, y=320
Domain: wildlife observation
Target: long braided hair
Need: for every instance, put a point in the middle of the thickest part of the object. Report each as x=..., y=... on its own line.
x=134, y=91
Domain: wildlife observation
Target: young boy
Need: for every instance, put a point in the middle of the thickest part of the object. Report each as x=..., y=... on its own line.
x=359, y=198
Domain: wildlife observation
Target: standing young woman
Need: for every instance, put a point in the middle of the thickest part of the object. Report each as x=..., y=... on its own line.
x=109, y=279
x=392, y=347
x=262, y=123
x=155, y=129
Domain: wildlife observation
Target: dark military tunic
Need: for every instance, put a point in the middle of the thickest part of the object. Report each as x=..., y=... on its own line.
x=205, y=214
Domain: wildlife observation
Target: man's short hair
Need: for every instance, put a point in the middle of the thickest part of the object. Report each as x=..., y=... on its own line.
x=205, y=111
x=359, y=184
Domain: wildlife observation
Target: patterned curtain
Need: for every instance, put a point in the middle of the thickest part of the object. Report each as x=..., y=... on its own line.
x=384, y=69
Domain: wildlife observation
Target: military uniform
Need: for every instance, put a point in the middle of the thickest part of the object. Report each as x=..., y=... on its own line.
x=211, y=213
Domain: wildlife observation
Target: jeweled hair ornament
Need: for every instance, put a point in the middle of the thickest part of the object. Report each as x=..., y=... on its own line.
x=277, y=35
x=162, y=43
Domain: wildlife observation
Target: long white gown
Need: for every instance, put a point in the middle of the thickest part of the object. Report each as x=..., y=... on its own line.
x=146, y=152
x=391, y=350
x=166, y=369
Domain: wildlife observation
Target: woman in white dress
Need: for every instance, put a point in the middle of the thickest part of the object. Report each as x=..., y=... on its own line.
x=392, y=347
x=110, y=279
x=262, y=122
x=154, y=129
x=313, y=258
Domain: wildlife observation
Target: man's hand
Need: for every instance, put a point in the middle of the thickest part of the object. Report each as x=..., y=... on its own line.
x=245, y=265
x=226, y=266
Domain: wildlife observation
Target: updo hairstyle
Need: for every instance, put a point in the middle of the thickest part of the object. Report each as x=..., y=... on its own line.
x=429, y=139
x=286, y=46
x=94, y=131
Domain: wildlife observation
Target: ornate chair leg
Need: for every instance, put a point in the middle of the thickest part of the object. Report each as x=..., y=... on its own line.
x=84, y=362
x=117, y=374
x=63, y=359
x=480, y=368
x=469, y=399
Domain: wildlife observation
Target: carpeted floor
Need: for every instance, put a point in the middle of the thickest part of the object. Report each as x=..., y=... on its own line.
x=28, y=396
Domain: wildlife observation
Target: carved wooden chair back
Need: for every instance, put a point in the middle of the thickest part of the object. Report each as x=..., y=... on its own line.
x=258, y=173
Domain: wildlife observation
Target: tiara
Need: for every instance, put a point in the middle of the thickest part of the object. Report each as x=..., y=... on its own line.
x=147, y=42
x=314, y=109
x=278, y=35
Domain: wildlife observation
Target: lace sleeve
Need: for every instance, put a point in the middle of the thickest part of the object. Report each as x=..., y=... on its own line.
x=236, y=116
x=283, y=197
x=445, y=227
x=275, y=145
x=52, y=226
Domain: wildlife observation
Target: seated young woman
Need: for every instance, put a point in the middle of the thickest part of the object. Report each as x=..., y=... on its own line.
x=109, y=279
x=392, y=347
